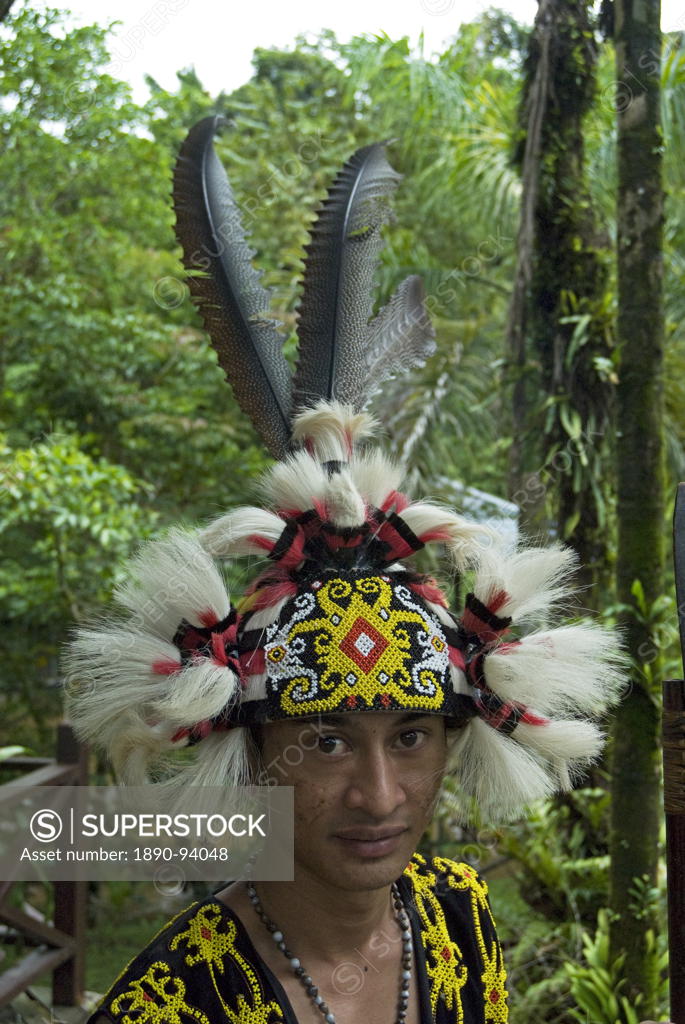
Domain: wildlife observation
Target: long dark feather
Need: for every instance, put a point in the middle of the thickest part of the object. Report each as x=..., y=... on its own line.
x=337, y=296
x=400, y=336
x=227, y=289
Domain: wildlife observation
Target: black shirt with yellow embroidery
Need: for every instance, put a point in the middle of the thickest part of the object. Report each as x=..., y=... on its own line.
x=202, y=968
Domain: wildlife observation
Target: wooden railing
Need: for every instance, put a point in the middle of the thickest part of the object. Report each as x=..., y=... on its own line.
x=60, y=946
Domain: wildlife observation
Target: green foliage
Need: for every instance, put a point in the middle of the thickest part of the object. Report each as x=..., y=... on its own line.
x=116, y=419
x=562, y=855
x=75, y=510
x=110, y=398
x=65, y=522
x=597, y=985
x=557, y=950
x=13, y=751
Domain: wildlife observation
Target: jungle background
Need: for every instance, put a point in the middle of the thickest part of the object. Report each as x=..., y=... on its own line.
x=557, y=385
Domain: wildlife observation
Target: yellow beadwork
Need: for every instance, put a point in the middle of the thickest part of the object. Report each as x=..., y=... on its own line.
x=444, y=962
x=359, y=650
x=446, y=973
x=208, y=945
x=160, y=996
x=208, y=940
x=156, y=998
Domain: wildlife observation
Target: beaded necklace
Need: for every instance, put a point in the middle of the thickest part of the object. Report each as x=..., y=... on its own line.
x=306, y=981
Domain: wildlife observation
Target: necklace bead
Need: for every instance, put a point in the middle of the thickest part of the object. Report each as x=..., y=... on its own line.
x=305, y=979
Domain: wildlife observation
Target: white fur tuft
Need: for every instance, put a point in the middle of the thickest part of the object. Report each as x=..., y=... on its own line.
x=570, y=740
x=201, y=690
x=221, y=759
x=460, y=683
x=265, y=616
x=465, y=538
x=375, y=476
x=229, y=534
x=110, y=684
x=116, y=700
x=295, y=484
x=533, y=579
x=132, y=751
x=173, y=579
x=126, y=688
x=568, y=669
x=345, y=504
x=332, y=430
x=498, y=773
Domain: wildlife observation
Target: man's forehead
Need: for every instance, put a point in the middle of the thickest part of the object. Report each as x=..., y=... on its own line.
x=358, y=721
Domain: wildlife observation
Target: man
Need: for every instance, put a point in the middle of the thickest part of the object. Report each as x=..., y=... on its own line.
x=341, y=648
x=364, y=790
x=341, y=651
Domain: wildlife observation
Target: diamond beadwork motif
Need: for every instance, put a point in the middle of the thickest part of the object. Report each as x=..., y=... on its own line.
x=355, y=641
x=364, y=644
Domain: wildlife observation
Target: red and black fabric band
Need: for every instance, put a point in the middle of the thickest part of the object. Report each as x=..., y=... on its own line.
x=192, y=640
x=485, y=619
x=501, y=715
x=400, y=527
x=289, y=534
x=475, y=670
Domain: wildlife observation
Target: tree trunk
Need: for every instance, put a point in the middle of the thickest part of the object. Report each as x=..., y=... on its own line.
x=533, y=110
x=559, y=299
x=635, y=731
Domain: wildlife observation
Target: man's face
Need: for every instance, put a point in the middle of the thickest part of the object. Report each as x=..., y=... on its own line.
x=365, y=786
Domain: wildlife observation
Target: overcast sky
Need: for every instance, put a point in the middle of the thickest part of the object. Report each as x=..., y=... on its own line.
x=162, y=36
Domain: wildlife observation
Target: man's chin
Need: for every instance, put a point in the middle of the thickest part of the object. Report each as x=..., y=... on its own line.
x=366, y=873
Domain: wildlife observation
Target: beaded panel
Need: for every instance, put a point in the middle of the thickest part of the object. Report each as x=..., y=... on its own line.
x=356, y=642
x=199, y=971
x=208, y=945
x=445, y=964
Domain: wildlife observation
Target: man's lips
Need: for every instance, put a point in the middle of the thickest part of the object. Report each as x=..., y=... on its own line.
x=366, y=834
x=362, y=841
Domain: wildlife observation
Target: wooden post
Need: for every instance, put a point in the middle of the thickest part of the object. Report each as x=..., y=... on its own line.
x=68, y=979
x=674, y=806
x=70, y=751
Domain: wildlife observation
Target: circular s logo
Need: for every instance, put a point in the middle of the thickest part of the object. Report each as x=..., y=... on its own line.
x=169, y=880
x=45, y=825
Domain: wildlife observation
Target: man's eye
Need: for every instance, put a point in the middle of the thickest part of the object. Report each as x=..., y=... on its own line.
x=412, y=738
x=330, y=745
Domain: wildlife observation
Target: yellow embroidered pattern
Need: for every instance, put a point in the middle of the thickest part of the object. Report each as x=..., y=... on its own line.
x=445, y=970
x=156, y=998
x=214, y=947
x=207, y=945
x=204, y=937
x=361, y=643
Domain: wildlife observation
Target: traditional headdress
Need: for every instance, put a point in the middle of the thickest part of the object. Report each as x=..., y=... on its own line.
x=339, y=620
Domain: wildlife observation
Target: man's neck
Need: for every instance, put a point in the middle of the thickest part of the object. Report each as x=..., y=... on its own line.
x=331, y=922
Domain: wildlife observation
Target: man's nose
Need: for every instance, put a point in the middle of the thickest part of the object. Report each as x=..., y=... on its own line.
x=375, y=784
